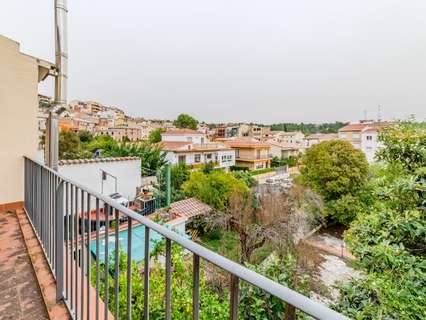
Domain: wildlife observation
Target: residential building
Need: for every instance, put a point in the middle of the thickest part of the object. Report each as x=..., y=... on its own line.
x=19, y=101
x=120, y=133
x=296, y=137
x=250, y=152
x=364, y=136
x=195, y=155
x=283, y=150
x=352, y=133
x=316, y=138
x=190, y=147
x=95, y=107
x=184, y=135
x=370, y=143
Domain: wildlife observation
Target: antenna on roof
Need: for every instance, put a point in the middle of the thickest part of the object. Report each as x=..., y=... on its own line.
x=365, y=114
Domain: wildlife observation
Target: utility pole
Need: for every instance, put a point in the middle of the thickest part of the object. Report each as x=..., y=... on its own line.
x=61, y=61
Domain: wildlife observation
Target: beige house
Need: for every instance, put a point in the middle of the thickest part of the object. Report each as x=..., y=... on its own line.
x=19, y=78
x=320, y=137
x=284, y=150
x=250, y=153
x=119, y=133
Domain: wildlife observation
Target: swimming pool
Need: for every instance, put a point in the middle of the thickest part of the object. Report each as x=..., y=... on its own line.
x=138, y=243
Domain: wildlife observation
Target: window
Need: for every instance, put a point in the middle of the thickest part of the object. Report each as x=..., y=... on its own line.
x=237, y=153
x=189, y=139
x=197, y=158
x=257, y=154
x=369, y=138
x=355, y=136
x=343, y=135
x=182, y=159
x=208, y=156
x=259, y=166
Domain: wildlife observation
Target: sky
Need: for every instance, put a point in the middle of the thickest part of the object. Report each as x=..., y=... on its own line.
x=237, y=60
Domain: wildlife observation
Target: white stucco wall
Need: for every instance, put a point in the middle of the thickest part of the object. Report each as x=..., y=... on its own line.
x=370, y=147
x=194, y=138
x=128, y=173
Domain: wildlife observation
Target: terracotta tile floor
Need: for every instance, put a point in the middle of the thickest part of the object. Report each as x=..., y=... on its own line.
x=20, y=296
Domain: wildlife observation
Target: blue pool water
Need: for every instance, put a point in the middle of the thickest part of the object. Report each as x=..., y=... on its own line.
x=138, y=243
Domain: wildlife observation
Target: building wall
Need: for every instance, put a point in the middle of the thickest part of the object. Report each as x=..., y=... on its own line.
x=251, y=153
x=19, y=106
x=370, y=145
x=353, y=137
x=224, y=158
x=128, y=173
x=198, y=139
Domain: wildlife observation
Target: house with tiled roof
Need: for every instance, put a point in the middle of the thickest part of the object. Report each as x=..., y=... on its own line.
x=364, y=136
x=250, y=153
x=191, y=147
x=283, y=150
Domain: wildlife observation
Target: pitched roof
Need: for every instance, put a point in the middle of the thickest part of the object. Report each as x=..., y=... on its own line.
x=178, y=132
x=189, y=208
x=323, y=136
x=96, y=160
x=361, y=126
x=354, y=127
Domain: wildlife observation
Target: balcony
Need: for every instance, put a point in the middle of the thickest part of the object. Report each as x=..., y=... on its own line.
x=66, y=217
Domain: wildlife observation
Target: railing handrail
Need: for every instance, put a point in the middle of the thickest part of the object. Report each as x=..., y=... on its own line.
x=287, y=295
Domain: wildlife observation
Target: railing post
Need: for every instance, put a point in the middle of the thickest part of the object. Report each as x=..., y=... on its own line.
x=234, y=297
x=59, y=239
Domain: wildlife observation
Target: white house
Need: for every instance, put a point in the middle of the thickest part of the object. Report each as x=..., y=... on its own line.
x=191, y=147
x=184, y=135
x=370, y=143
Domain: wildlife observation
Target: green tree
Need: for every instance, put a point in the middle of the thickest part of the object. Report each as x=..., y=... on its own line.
x=338, y=172
x=152, y=158
x=185, y=121
x=214, y=188
x=390, y=240
x=155, y=135
x=85, y=136
x=70, y=146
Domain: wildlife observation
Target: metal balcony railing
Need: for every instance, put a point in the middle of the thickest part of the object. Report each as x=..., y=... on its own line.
x=67, y=217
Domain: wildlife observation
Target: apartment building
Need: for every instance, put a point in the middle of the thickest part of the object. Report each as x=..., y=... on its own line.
x=190, y=147
x=250, y=152
x=364, y=136
x=121, y=133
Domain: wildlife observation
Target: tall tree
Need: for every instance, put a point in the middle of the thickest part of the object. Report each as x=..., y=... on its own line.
x=186, y=121
x=338, y=172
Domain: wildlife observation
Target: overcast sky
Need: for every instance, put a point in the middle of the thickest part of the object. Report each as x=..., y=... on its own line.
x=237, y=60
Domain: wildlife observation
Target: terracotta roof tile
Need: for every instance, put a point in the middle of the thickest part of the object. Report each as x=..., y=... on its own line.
x=96, y=160
x=189, y=208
